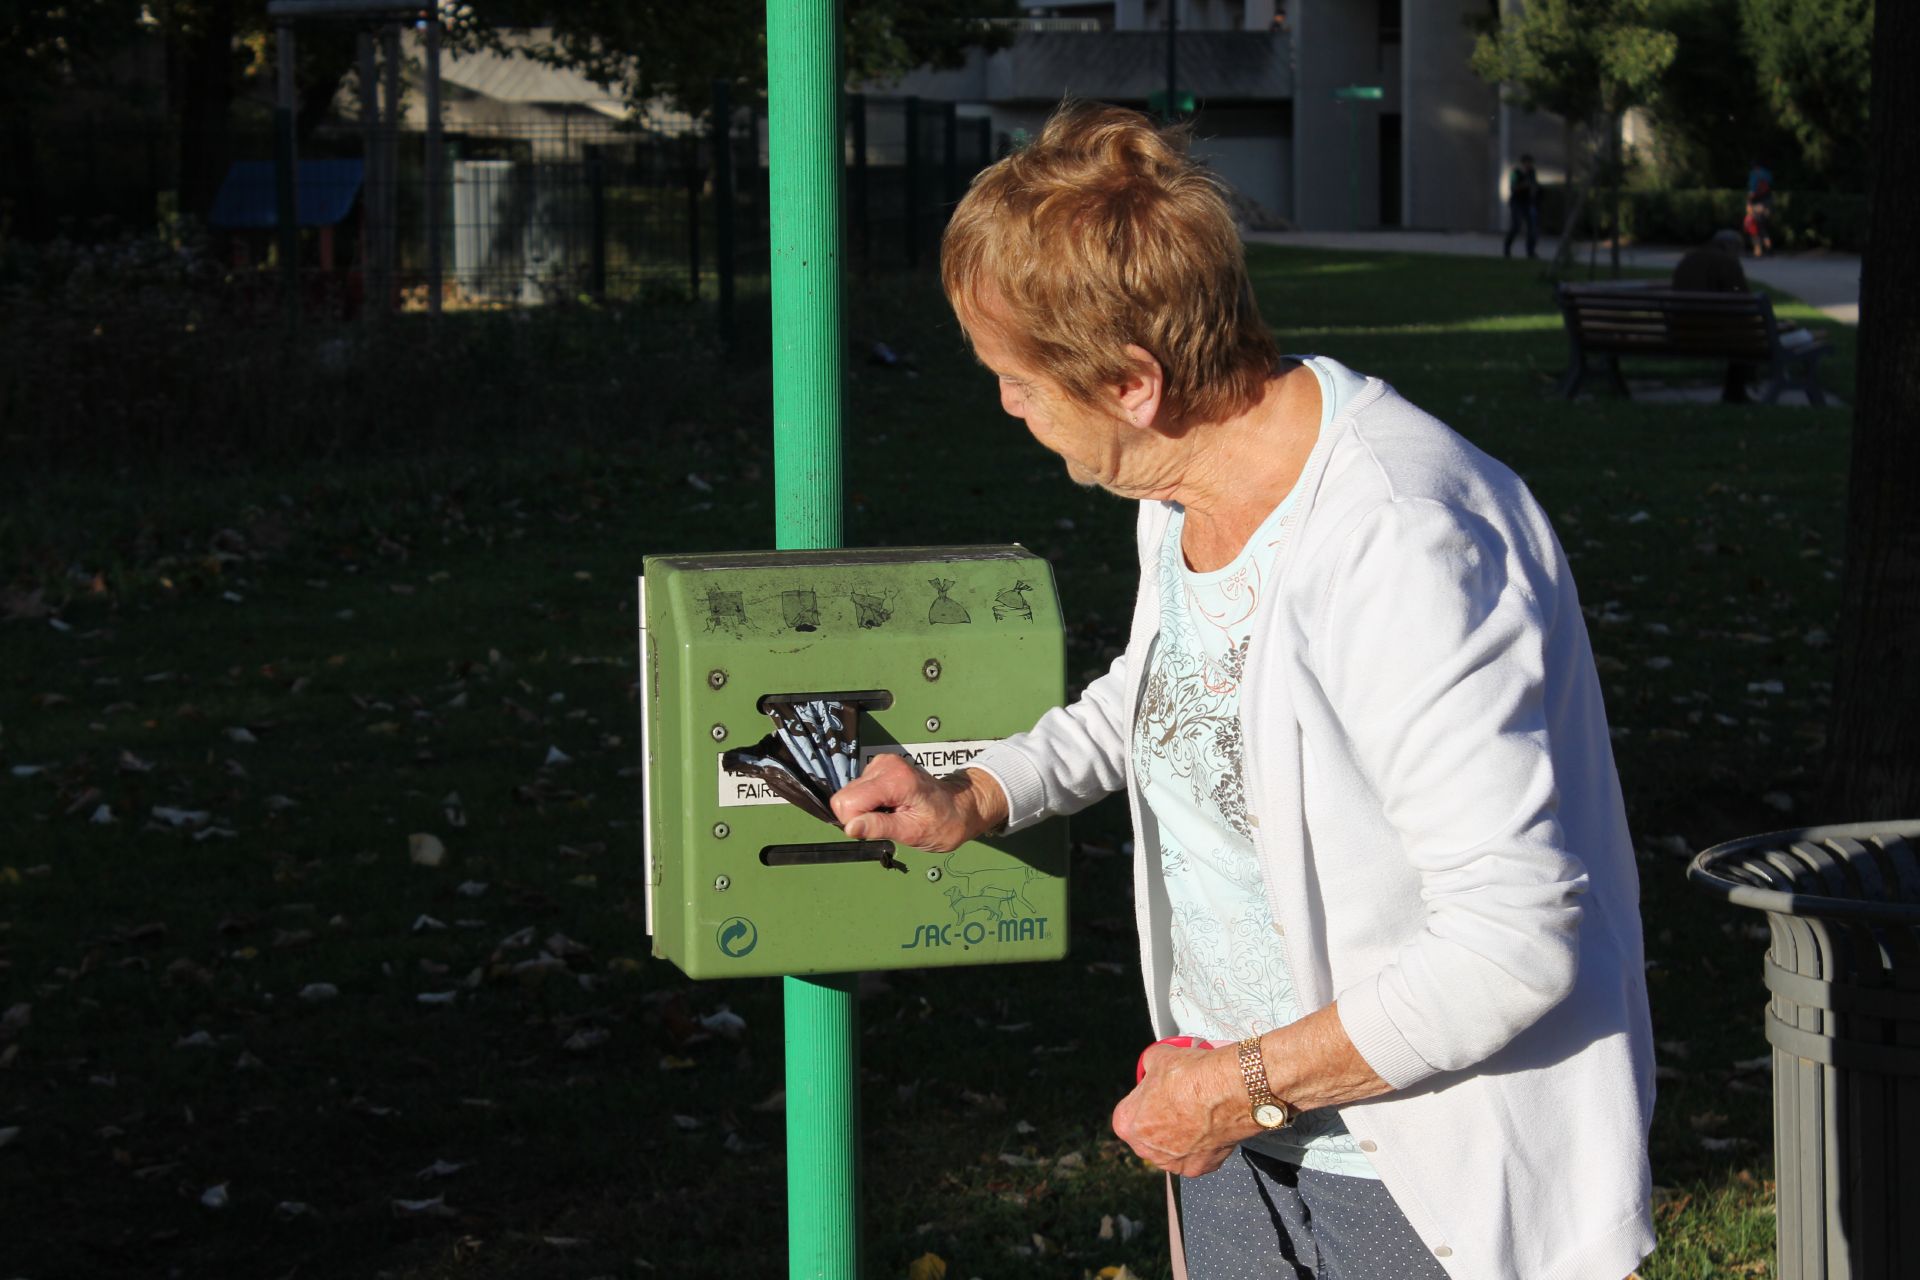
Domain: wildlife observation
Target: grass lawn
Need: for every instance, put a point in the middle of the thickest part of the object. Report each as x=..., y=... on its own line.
x=248, y=1033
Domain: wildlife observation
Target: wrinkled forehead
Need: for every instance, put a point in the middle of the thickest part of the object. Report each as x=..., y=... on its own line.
x=987, y=321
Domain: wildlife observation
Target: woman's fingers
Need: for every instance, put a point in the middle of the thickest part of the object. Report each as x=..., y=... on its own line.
x=893, y=799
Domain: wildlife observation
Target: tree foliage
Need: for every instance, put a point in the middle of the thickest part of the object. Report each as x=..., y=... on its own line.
x=44, y=47
x=1708, y=113
x=1813, y=59
x=1587, y=61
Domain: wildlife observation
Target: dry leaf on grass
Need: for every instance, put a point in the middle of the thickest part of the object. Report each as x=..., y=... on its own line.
x=434, y=1208
x=442, y=1169
x=426, y=849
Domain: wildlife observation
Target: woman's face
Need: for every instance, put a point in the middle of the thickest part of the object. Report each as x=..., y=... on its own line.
x=1090, y=442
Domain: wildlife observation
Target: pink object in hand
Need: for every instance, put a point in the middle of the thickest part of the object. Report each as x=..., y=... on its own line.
x=1178, y=1042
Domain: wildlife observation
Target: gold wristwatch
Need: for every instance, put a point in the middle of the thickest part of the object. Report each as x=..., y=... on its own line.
x=1269, y=1112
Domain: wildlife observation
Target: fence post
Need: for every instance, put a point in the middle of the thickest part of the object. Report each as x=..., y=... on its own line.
x=373, y=293
x=911, y=218
x=693, y=217
x=153, y=174
x=286, y=182
x=390, y=169
x=950, y=127
x=597, y=199
x=436, y=197
x=862, y=214
x=723, y=206
x=93, y=167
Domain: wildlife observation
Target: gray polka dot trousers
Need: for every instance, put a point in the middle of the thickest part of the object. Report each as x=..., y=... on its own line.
x=1261, y=1218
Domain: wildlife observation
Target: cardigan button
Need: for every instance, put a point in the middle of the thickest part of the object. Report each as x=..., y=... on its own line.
x=1443, y=1252
x=1368, y=1144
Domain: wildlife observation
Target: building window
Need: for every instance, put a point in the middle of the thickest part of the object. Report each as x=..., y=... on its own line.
x=1389, y=21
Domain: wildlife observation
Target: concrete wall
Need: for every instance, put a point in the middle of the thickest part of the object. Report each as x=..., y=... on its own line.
x=1250, y=149
x=965, y=83
x=1335, y=43
x=1450, y=126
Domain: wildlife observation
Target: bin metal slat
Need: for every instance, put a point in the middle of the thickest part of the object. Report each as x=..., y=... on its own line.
x=1905, y=866
x=1891, y=1003
x=1851, y=1055
x=1859, y=860
x=1903, y=1229
x=1832, y=877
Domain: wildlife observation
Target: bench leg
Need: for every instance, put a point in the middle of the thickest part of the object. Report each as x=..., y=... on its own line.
x=1576, y=368
x=1815, y=396
x=1776, y=380
x=1570, y=385
x=1617, y=378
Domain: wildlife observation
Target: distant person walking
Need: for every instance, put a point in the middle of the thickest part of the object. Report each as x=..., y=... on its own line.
x=1759, y=218
x=1523, y=206
x=1715, y=268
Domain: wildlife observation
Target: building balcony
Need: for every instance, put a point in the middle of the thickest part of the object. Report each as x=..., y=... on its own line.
x=1044, y=66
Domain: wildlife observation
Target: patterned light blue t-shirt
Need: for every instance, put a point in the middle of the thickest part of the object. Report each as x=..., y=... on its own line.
x=1228, y=976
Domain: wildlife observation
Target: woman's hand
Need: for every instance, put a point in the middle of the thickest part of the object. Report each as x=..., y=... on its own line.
x=1188, y=1112
x=895, y=799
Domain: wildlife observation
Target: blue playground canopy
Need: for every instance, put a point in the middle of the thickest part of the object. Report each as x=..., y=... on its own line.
x=324, y=197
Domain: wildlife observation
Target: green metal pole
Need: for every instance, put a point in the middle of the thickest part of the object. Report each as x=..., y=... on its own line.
x=822, y=1032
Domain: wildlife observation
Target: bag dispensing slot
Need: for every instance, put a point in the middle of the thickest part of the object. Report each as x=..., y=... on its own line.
x=831, y=853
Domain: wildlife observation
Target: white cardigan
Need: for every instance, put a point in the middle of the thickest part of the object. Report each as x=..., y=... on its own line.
x=1432, y=790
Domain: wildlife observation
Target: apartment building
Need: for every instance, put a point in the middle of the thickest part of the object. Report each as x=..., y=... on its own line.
x=1321, y=114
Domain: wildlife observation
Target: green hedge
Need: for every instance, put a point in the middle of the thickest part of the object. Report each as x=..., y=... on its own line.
x=1668, y=215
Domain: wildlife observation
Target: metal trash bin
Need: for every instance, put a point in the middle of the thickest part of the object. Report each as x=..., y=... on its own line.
x=1843, y=967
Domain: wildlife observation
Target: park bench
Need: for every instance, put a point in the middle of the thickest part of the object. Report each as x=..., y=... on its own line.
x=1621, y=319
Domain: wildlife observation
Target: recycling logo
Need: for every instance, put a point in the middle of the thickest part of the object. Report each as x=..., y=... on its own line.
x=737, y=937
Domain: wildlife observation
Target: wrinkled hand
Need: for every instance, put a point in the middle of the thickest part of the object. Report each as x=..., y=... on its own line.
x=895, y=799
x=1188, y=1112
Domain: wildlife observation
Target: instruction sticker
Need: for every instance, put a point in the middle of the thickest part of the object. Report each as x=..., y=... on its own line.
x=738, y=791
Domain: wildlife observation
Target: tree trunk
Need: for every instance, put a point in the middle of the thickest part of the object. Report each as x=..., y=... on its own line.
x=1616, y=175
x=1873, y=754
x=206, y=99
x=1578, y=188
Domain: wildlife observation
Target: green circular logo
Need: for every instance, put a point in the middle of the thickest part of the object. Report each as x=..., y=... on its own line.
x=737, y=937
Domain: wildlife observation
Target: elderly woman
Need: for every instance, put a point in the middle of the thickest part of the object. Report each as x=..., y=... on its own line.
x=1386, y=897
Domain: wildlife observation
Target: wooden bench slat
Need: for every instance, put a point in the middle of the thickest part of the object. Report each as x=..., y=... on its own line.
x=1651, y=321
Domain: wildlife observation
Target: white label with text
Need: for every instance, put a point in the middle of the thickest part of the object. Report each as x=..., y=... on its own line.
x=740, y=791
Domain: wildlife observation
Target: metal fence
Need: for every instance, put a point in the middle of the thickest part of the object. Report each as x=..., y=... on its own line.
x=532, y=211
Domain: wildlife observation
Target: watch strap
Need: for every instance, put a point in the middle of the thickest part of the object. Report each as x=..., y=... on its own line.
x=1253, y=1072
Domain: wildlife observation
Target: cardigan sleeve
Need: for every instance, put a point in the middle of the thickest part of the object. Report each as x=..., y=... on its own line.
x=1432, y=650
x=1074, y=756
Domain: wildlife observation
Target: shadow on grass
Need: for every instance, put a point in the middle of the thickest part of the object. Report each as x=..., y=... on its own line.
x=326, y=647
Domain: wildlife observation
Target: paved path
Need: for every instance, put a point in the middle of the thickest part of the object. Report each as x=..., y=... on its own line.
x=1829, y=281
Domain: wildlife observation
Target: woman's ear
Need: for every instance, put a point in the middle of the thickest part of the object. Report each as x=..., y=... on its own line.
x=1141, y=394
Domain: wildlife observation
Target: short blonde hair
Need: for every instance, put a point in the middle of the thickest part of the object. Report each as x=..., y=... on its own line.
x=1102, y=232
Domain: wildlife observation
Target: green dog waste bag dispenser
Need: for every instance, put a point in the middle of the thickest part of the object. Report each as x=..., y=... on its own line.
x=769, y=679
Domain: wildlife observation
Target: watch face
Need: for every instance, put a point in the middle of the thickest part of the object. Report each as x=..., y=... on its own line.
x=1269, y=1116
